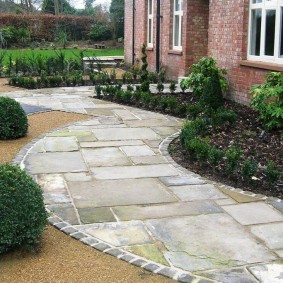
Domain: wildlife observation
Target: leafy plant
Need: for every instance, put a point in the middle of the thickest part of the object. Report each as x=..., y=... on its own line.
x=172, y=104
x=160, y=87
x=98, y=91
x=215, y=155
x=62, y=38
x=205, y=68
x=13, y=120
x=172, y=87
x=268, y=100
x=194, y=110
x=233, y=156
x=272, y=174
x=23, y=215
x=144, y=71
x=223, y=116
x=249, y=169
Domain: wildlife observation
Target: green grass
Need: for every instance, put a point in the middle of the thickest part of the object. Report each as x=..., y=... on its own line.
x=70, y=53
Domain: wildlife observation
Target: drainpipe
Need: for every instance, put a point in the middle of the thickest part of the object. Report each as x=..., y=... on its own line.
x=158, y=16
x=133, y=36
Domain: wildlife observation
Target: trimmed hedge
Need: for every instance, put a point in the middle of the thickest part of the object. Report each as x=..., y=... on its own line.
x=23, y=216
x=13, y=119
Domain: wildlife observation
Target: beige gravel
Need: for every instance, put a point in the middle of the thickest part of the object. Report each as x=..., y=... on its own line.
x=61, y=258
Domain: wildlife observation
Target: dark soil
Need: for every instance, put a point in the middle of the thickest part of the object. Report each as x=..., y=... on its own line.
x=257, y=145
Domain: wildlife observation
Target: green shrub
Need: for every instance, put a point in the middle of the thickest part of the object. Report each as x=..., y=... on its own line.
x=272, y=174
x=153, y=77
x=144, y=71
x=268, y=100
x=98, y=91
x=182, y=109
x=215, y=155
x=100, y=31
x=126, y=96
x=223, y=116
x=163, y=103
x=13, y=120
x=212, y=96
x=194, y=110
x=146, y=98
x=23, y=216
x=249, y=169
x=154, y=101
x=160, y=87
x=172, y=87
x=172, y=104
x=204, y=69
x=233, y=156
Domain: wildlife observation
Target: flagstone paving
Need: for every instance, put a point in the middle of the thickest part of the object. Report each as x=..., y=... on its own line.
x=110, y=183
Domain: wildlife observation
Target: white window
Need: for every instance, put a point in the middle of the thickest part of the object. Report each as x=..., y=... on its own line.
x=177, y=24
x=150, y=23
x=266, y=31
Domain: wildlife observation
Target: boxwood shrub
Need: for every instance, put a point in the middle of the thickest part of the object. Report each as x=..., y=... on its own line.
x=13, y=119
x=23, y=216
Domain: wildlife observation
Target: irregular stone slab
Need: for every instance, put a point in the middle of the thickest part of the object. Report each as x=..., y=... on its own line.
x=118, y=192
x=279, y=253
x=55, y=144
x=125, y=114
x=152, y=252
x=72, y=105
x=166, y=210
x=129, y=172
x=105, y=157
x=165, y=131
x=91, y=122
x=111, y=143
x=55, y=162
x=120, y=234
x=253, y=213
x=38, y=147
x=268, y=273
x=78, y=177
x=110, y=120
x=52, y=183
x=214, y=241
x=153, y=143
x=278, y=205
x=96, y=215
x=153, y=123
x=227, y=201
x=235, y=275
x=99, y=111
x=197, y=192
x=113, y=134
x=33, y=109
x=56, y=198
x=239, y=197
x=65, y=212
x=142, y=150
x=71, y=134
x=108, y=106
x=181, y=181
x=144, y=160
x=271, y=234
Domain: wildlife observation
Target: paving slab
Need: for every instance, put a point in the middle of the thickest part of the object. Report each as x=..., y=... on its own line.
x=253, y=213
x=166, y=210
x=207, y=242
x=96, y=215
x=125, y=114
x=197, y=192
x=52, y=182
x=271, y=234
x=105, y=157
x=235, y=275
x=138, y=150
x=78, y=177
x=48, y=162
x=163, y=122
x=120, y=234
x=66, y=212
x=268, y=273
x=55, y=144
x=111, y=143
x=147, y=160
x=239, y=197
x=112, y=134
x=129, y=172
x=118, y=192
x=181, y=181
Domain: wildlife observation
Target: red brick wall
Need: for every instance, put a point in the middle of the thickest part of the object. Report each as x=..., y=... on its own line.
x=228, y=35
x=195, y=19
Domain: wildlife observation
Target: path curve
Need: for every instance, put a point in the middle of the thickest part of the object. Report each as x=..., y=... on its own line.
x=111, y=183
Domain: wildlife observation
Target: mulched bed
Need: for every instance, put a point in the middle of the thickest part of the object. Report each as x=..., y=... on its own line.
x=257, y=144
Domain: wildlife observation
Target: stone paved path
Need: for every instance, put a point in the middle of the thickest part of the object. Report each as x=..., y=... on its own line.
x=112, y=185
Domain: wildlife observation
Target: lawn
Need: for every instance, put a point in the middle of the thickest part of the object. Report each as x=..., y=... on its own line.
x=69, y=53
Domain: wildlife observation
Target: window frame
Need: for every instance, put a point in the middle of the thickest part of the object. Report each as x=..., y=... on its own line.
x=179, y=14
x=150, y=19
x=264, y=6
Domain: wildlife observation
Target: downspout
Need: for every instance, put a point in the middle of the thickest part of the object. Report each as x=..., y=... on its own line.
x=133, y=36
x=158, y=16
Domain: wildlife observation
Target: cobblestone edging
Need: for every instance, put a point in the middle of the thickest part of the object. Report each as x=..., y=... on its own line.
x=164, y=151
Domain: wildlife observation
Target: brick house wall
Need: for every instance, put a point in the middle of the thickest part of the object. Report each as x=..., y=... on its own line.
x=194, y=36
x=227, y=43
x=216, y=28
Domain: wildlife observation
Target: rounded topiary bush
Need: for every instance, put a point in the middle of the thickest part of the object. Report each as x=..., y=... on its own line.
x=23, y=215
x=13, y=119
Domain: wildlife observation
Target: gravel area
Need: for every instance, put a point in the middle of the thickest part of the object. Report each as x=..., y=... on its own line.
x=61, y=258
